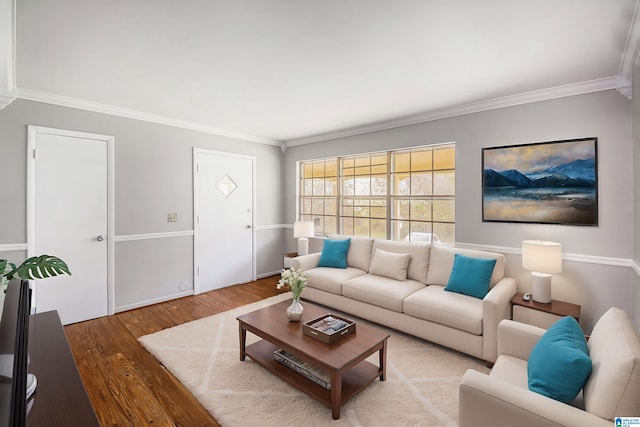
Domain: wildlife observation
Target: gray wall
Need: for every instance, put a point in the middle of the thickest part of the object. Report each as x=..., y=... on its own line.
x=593, y=276
x=153, y=176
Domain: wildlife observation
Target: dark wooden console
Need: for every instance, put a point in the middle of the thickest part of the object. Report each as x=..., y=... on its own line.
x=60, y=398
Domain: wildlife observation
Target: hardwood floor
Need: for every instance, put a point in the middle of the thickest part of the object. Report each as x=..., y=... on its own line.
x=127, y=385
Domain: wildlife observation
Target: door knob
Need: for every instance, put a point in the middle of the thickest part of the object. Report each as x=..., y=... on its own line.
x=248, y=226
x=100, y=238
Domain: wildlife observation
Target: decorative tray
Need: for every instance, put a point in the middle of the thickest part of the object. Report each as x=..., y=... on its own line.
x=329, y=328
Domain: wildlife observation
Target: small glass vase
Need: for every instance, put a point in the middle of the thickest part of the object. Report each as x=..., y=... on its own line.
x=294, y=311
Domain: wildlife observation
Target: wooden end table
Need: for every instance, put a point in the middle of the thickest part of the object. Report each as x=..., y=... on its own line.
x=541, y=314
x=343, y=360
x=286, y=259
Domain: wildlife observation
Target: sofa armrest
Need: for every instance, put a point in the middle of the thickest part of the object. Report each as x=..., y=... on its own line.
x=485, y=401
x=517, y=339
x=495, y=307
x=306, y=262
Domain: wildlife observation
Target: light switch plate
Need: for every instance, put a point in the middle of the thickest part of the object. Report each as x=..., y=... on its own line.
x=172, y=217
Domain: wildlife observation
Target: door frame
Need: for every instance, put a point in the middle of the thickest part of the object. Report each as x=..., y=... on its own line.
x=196, y=228
x=33, y=132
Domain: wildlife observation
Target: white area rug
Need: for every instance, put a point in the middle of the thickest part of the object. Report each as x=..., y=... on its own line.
x=421, y=387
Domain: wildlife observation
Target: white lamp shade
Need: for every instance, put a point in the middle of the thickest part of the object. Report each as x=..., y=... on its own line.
x=303, y=229
x=541, y=256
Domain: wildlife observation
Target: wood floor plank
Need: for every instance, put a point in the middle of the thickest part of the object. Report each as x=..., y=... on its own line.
x=142, y=406
x=126, y=384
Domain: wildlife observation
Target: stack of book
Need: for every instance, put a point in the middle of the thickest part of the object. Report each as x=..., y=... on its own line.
x=305, y=369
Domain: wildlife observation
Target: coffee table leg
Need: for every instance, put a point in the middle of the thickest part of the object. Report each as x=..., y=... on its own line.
x=336, y=394
x=243, y=340
x=383, y=361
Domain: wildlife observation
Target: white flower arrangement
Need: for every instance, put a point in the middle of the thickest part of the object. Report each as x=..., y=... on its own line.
x=293, y=279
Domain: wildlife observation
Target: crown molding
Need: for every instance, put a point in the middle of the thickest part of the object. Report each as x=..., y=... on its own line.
x=6, y=98
x=580, y=88
x=631, y=53
x=65, y=101
x=615, y=82
x=625, y=88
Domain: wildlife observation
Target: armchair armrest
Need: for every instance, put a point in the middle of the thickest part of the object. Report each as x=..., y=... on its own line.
x=306, y=262
x=517, y=339
x=485, y=401
x=495, y=307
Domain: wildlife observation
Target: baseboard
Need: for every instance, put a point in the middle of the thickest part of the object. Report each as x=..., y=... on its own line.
x=164, y=298
x=273, y=273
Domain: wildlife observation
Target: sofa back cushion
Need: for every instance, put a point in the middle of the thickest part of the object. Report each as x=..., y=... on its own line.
x=613, y=389
x=418, y=256
x=359, y=255
x=441, y=264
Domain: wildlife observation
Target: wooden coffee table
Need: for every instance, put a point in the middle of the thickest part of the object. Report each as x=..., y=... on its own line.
x=343, y=360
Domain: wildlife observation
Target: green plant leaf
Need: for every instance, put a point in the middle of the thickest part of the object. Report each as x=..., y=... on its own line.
x=39, y=267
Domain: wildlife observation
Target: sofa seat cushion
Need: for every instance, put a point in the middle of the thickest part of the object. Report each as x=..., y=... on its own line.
x=459, y=311
x=331, y=279
x=380, y=291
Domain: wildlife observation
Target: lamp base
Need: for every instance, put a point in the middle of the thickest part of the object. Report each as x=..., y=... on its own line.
x=303, y=246
x=541, y=285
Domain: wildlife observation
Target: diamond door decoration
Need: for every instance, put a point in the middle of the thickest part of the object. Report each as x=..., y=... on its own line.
x=226, y=185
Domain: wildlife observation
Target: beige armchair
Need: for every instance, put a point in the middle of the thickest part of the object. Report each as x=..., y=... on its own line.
x=502, y=398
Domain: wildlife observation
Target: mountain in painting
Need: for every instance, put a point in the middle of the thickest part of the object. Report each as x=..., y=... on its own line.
x=577, y=169
x=559, y=181
x=520, y=179
x=495, y=179
x=578, y=173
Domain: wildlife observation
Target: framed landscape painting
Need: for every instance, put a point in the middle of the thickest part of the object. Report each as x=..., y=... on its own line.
x=547, y=182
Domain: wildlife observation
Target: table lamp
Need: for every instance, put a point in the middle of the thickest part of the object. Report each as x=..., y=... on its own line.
x=542, y=259
x=302, y=230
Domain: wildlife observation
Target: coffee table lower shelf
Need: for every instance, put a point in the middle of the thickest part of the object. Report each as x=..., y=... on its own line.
x=354, y=380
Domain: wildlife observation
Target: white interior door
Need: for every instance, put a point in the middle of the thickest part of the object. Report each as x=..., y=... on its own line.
x=223, y=218
x=69, y=216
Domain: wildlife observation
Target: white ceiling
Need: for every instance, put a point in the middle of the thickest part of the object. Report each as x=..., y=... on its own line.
x=297, y=70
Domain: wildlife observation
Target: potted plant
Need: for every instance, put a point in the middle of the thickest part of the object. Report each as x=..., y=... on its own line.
x=36, y=267
x=296, y=281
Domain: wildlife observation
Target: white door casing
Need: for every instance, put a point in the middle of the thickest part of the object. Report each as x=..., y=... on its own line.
x=70, y=210
x=224, y=214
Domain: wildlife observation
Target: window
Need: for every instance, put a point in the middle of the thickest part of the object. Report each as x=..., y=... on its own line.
x=398, y=195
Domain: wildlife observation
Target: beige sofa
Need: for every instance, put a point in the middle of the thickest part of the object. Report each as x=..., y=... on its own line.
x=502, y=398
x=418, y=305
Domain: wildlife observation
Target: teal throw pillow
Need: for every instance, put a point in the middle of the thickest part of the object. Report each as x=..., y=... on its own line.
x=470, y=276
x=334, y=253
x=559, y=364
